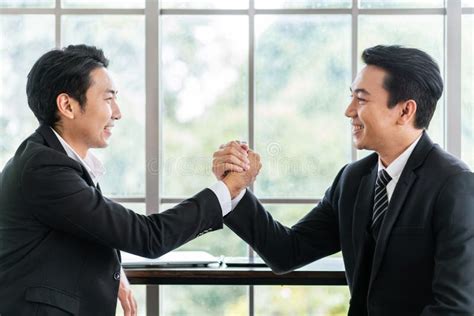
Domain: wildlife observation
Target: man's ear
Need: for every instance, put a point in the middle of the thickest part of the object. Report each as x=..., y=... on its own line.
x=407, y=112
x=65, y=105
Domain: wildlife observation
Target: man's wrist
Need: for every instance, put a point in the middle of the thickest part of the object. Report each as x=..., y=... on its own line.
x=234, y=188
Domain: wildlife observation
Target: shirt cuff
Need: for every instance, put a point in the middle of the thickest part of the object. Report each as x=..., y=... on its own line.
x=223, y=196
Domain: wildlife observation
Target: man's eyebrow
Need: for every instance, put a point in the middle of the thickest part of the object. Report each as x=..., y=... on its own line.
x=114, y=92
x=360, y=90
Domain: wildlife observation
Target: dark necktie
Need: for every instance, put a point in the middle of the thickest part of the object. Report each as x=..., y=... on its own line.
x=380, y=201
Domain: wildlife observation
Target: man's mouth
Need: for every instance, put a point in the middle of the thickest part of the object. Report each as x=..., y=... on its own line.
x=357, y=127
x=108, y=129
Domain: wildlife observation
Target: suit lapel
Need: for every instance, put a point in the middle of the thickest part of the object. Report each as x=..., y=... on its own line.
x=400, y=194
x=53, y=142
x=363, y=207
x=361, y=238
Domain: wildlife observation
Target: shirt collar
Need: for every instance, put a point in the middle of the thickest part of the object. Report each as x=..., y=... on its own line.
x=92, y=164
x=396, y=167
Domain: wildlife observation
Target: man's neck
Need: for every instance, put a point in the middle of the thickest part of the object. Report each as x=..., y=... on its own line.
x=69, y=139
x=396, y=148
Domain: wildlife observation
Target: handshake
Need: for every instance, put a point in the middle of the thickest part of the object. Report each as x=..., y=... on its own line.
x=236, y=165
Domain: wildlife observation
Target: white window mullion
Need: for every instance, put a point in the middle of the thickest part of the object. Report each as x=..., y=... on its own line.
x=453, y=77
x=152, y=131
x=251, y=121
x=57, y=22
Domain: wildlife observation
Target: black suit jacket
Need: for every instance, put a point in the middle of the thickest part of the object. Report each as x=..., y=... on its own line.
x=59, y=234
x=423, y=261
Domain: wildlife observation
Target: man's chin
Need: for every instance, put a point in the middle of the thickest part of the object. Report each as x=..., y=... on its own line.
x=358, y=145
x=361, y=146
x=103, y=144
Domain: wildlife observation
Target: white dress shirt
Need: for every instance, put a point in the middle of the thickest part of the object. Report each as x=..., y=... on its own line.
x=396, y=167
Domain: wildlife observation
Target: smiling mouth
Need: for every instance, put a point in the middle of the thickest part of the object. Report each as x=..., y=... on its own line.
x=108, y=130
x=357, y=127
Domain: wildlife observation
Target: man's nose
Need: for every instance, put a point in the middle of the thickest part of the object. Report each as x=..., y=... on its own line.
x=116, y=114
x=350, y=110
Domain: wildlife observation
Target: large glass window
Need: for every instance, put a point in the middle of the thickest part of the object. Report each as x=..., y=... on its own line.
x=19, y=48
x=401, y=4
x=27, y=3
x=467, y=4
x=103, y=4
x=205, y=83
x=302, y=300
x=302, y=4
x=301, y=78
x=275, y=73
x=204, y=300
x=204, y=4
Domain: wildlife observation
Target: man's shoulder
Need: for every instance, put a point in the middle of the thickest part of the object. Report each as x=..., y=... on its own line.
x=446, y=161
x=31, y=158
x=34, y=153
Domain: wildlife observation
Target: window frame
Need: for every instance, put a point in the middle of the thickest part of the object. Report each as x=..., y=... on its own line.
x=153, y=198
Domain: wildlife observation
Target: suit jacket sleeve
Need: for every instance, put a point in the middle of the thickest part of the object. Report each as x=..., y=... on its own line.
x=61, y=199
x=284, y=249
x=453, y=282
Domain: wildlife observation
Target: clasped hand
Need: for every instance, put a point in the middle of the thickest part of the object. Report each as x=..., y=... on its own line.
x=236, y=165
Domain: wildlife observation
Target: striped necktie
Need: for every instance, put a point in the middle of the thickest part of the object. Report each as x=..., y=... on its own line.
x=380, y=201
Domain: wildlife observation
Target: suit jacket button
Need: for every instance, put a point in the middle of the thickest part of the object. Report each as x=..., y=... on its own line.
x=117, y=276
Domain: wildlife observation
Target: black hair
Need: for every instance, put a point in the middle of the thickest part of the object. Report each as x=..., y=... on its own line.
x=59, y=71
x=411, y=74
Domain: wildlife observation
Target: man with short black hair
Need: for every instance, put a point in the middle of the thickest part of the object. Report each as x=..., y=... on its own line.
x=403, y=216
x=59, y=236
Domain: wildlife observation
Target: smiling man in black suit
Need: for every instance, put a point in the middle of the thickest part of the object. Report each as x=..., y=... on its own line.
x=403, y=216
x=59, y=236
